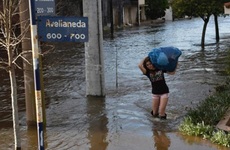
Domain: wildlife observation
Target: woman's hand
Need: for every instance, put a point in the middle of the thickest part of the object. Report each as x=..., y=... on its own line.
x=141, y=66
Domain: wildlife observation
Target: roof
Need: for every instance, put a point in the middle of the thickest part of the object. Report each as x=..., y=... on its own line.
x=227, y=5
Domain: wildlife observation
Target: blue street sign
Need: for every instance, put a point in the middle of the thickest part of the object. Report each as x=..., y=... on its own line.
x=62, y=29
x=44, y=7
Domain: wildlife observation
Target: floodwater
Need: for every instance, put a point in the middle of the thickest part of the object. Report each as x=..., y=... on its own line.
x=122, y=120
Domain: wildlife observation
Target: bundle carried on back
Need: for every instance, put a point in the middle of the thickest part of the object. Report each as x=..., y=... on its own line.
x=165, y=58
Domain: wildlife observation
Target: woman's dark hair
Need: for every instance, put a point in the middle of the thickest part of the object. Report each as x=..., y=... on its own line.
x=147, y=59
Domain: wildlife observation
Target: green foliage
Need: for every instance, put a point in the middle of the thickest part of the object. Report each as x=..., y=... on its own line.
x=220, y=137
x=205, y=131
x=228, y=63
x=156, y=8
x=195, y=8
x=181, y=8
x=199, y=129
x=201, y=120
x=212, y=109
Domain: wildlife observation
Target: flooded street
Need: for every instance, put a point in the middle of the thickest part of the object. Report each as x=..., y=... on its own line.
x=122, y=120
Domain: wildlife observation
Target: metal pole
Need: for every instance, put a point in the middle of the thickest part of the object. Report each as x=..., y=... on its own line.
x=36, y=67
x=116, y=69
x=138, y=12
x=111, y=19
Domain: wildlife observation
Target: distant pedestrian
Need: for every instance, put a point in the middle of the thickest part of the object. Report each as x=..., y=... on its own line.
x=160, y=89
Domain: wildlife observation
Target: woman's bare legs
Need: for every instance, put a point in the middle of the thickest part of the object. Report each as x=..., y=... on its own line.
x=162, y=106
x=155, y=105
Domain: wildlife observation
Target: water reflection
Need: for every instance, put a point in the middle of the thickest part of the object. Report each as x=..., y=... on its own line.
x=30, y=138
x=162, y=142
x=97, y=131
x=192, y=140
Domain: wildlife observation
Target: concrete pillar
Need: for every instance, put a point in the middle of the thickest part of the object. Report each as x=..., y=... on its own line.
x=94, y=61
x=28, y=68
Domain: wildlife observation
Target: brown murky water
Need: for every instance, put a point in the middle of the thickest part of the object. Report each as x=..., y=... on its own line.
x=122, y=120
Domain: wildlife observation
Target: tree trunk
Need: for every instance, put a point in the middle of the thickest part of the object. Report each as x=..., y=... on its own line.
x=13, y=83
x=216, y=28
x=206, y=20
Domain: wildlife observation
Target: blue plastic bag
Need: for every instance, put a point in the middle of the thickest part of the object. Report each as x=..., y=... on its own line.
x=165, y=58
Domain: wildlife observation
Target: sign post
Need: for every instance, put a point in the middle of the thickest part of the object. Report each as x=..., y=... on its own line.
x=36, y=6
x=44, y=7
x=50, y=29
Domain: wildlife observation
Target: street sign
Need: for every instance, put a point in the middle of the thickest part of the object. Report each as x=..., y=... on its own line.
x=45, y=7
x=62, y=29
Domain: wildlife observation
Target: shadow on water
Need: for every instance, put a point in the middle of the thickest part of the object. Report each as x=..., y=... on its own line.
x=122, y=119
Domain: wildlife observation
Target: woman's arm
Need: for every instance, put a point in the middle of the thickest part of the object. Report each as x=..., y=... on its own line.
x=171, y=73
x=141, y=67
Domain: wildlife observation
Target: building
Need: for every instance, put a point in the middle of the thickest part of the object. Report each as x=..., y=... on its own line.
x=169, y=14
x=123, y=12
x=133, y=12
x=227, y=8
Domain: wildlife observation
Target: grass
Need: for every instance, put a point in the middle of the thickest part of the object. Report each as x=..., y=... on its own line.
x=201, y=121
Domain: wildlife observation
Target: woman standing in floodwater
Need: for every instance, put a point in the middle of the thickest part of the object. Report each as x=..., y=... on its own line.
x=160, y=89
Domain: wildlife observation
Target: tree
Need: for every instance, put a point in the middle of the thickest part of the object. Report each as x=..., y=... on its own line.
x=156, y=8
x=10, y=39
x=202, y=8
x=218, y=10
x=181, y=8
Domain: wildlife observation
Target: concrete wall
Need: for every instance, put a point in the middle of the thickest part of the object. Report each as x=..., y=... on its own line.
x=127, y=14
x=226, y=10
x=130, y=15
x=142, y=13
x=168, y=14
x=141, y=2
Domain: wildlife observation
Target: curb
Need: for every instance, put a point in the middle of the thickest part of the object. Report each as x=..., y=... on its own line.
x=224, y=123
